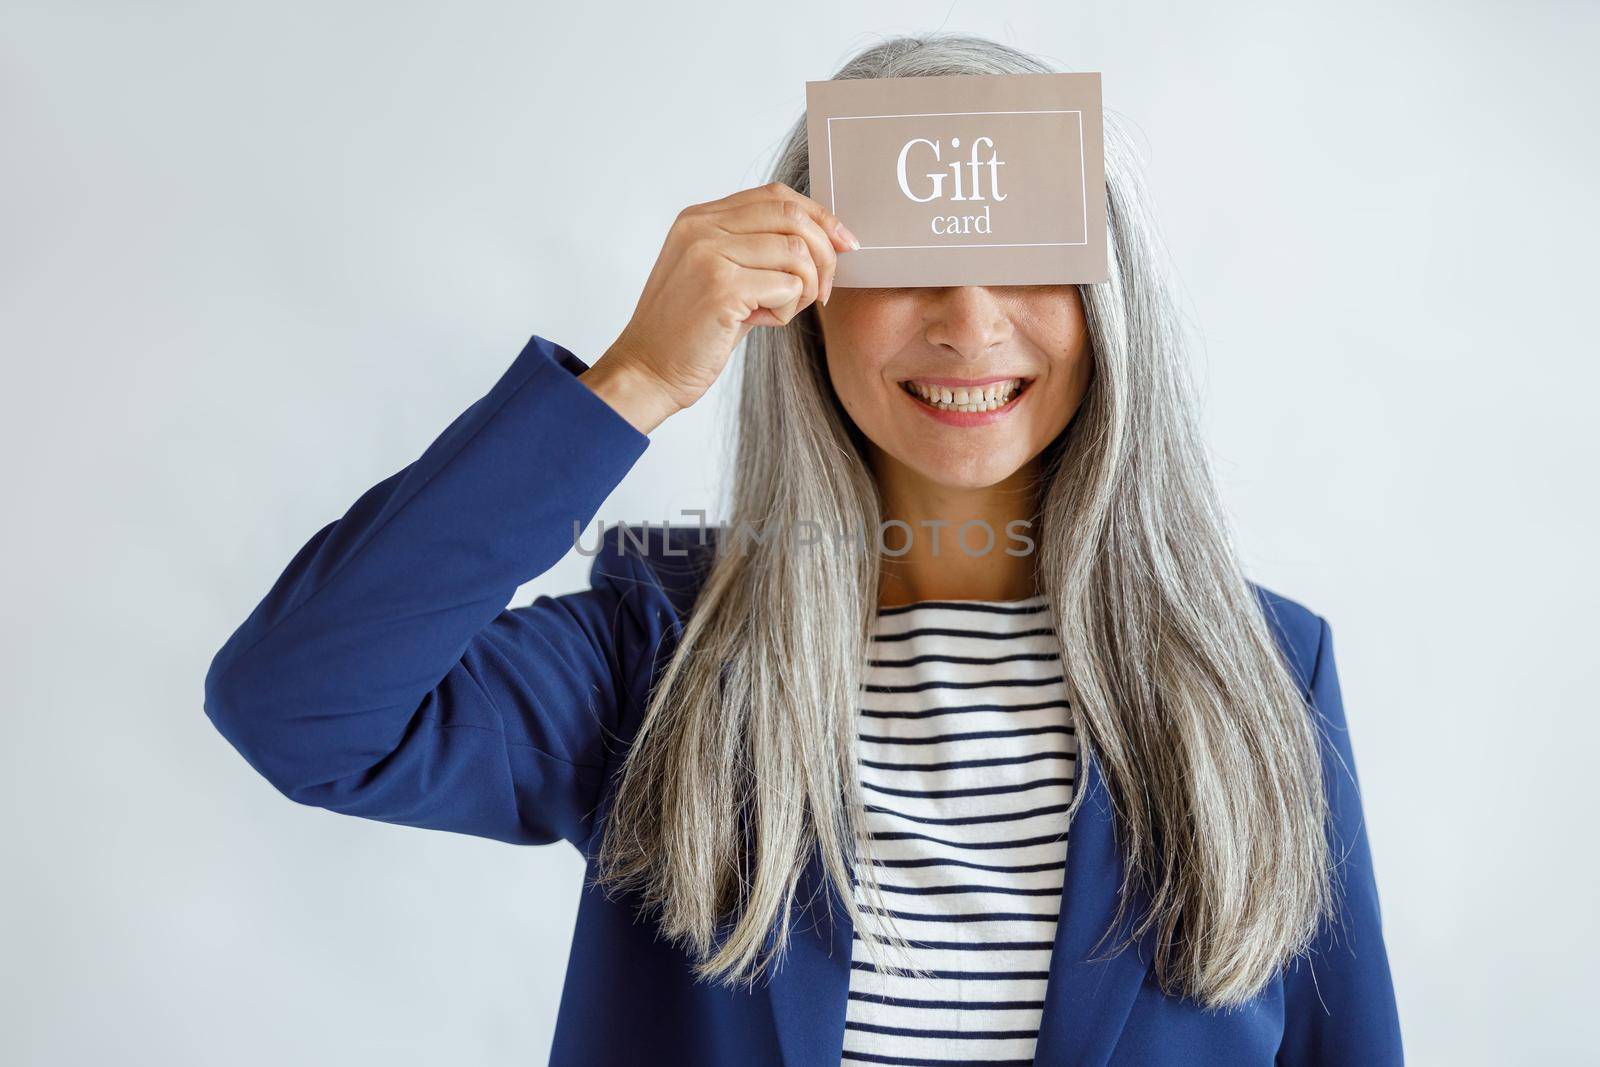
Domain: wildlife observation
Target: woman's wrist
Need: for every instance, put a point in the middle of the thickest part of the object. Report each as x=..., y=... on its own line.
x=631, y=390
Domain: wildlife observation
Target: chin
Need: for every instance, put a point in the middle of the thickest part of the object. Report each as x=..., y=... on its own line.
x=982, y=473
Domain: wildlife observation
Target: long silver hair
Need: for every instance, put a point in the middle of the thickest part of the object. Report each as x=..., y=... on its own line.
x=745, y=762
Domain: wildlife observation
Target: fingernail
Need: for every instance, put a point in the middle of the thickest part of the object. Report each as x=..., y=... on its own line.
x=827, y=287
x=846, y=236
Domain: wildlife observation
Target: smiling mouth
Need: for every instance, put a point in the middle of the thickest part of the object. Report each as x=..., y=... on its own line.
x=973, y=399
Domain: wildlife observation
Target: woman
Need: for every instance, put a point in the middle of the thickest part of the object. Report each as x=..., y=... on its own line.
x=825, y=780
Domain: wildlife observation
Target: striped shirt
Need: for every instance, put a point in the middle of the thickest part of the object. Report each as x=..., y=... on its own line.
x=968, y=760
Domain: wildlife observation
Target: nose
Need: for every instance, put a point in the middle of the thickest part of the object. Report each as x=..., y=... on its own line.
x=967, y=319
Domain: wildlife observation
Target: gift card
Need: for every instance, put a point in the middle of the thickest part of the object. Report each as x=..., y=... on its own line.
x=964, y=180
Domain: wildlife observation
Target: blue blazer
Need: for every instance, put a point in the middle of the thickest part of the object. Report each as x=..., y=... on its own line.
x=382, y=676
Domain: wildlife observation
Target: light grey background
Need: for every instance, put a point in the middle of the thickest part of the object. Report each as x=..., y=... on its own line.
x=256, y=256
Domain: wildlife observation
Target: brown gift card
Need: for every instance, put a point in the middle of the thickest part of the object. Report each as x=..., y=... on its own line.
x=964, y=180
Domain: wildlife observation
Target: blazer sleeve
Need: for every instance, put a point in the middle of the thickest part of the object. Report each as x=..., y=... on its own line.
x=1339, y=998
x=383, y=676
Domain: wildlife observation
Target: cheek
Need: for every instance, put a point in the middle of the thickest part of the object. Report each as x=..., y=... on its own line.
x=859, y=385
x=860, y=339
x=1069, y=385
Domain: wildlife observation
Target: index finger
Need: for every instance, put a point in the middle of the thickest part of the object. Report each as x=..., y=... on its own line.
x=831, y=224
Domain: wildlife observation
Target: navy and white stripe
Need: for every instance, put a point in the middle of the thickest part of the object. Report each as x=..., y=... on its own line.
x=968, y=763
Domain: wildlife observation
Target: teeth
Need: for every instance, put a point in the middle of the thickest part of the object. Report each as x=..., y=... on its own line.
x=972, y=400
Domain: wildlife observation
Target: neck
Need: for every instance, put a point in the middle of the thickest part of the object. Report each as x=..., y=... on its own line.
x=936, y=566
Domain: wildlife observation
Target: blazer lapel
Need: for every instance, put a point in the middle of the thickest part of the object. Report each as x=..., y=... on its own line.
x=809, y=989
x=1087, y=1003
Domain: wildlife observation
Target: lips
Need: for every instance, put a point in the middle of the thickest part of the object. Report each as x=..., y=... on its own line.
x=968, y=398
